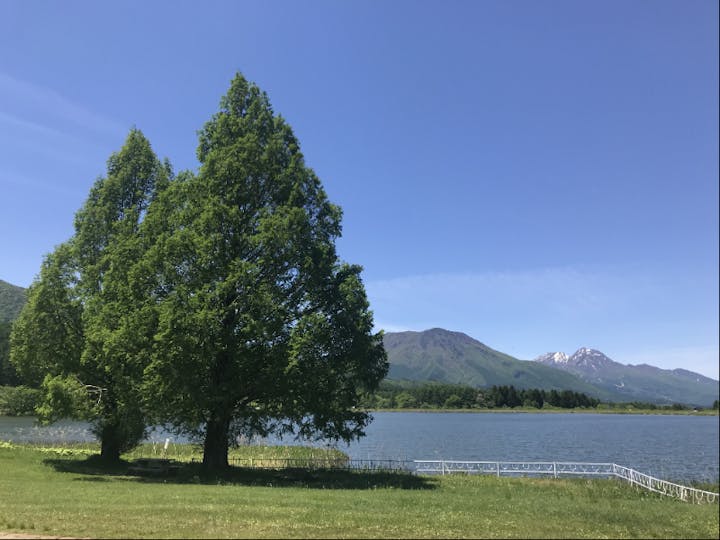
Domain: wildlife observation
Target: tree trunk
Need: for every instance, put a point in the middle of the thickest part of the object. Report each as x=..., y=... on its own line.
x=109, y=447
x=215, y=449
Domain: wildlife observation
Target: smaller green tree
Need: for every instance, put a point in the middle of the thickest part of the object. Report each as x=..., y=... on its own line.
x=18, y=400
x=80, y=334
x=47, y=337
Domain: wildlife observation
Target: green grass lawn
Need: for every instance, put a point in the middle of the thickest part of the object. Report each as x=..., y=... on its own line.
x=45, y=492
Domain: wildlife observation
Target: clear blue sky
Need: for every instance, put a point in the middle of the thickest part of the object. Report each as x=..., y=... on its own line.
x=540, y=174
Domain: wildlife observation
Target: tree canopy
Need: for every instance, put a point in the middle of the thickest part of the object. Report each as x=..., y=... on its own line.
x=213, y=302
x=260, y=327
x=73, y=335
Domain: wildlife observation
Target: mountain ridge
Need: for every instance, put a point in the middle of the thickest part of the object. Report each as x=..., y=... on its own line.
x=641, y=382
x=12, y=299
x=454, y=357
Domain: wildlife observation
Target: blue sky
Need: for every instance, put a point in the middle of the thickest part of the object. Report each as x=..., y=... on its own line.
x=541, y=175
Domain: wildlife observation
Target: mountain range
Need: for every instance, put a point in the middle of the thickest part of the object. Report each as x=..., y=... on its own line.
x=453, y=357
x=635, y=382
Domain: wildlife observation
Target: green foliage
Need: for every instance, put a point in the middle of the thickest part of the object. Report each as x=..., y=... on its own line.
x=568, y=399
x=453, y=402
x=411, y=394
x=64, y=397
x=47, y=337
x=641, y=407
x=8, y=374
x=18, y=400
x=78, y=334
x=12, y=299
x=405, y=400
x=215, y=302
x=259, y=326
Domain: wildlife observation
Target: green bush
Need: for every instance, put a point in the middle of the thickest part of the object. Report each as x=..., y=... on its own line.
x=405, y=400
x=18, y=400
x=453, y=402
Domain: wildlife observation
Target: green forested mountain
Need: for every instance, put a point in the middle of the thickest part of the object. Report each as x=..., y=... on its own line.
x=453, y=357
x=12, y=299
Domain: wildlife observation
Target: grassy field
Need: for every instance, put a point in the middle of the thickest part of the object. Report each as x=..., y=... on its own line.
x=64, y=491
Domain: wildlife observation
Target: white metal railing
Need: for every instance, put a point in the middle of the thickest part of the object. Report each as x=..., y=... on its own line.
x=558, y=468
x=664, y=487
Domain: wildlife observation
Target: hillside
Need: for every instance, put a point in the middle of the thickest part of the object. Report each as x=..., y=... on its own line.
x=453, y=357
x=12, y=299
x=636, y=382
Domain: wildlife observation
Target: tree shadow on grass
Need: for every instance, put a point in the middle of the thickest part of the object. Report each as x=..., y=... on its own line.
x=91, y=466
x=93, y=469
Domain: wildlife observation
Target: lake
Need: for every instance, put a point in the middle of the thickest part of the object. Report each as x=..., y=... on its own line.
x=665, y=446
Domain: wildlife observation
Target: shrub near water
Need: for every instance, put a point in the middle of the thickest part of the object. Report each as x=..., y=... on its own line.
x=18, y=400
x=245, y=455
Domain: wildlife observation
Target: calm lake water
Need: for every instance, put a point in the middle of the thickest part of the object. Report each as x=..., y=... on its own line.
x=669, y=447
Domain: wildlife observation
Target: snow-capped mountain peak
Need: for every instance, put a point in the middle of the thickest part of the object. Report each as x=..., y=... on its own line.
x=641, y=382
x=582, y=358
x=589, y=358
x=553, y=358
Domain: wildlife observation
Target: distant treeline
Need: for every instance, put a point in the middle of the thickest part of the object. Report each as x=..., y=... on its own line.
x=644, y=405
x=408, y=395
x=18, y=400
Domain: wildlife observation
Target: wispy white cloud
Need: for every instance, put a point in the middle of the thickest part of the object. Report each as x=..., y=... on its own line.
x=617, y=310
x=30, y=184
x=51, y=106
x=56, y=144
x=553, y=291
x=13, y=121
x=21, y=138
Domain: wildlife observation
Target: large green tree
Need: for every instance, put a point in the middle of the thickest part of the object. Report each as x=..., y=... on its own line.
x=80, y=333
x=260, y=327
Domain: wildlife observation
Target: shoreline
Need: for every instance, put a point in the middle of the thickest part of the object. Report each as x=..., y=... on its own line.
x=704, y=412
x=531, y=410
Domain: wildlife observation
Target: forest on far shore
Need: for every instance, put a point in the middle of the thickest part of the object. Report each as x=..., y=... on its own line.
x=395, y=394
